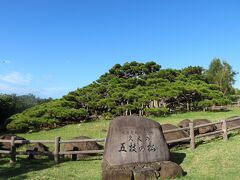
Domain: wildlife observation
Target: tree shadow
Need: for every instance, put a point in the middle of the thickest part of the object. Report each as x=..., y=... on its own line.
x=89, y=158
x=234, y=133
x=179, y=146
x=177, y=157
x=207, y=140
x=21, y=167
x=3, y=161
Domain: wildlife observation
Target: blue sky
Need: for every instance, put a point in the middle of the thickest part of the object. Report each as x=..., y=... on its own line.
x=49, y=48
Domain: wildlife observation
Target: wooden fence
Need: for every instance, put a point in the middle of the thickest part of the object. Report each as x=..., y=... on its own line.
x=57, y=142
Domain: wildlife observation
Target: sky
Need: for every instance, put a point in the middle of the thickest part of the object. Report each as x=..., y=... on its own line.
x=49, y=48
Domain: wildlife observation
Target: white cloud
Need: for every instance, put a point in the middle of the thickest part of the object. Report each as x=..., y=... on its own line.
x=20, y=84
x=54, y=92
x=4, y=88
x=5, y=61
x=16, y=78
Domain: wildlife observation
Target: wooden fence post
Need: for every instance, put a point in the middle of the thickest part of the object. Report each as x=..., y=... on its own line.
x=192, y=138
x=13, y=150
x=224, y=129
x=57, y=149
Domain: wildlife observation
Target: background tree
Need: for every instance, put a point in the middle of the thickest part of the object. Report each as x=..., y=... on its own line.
x=222, y=74
x=12, y=104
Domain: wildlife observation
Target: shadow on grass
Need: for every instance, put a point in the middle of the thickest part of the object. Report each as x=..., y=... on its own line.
x=211, y=139
x=206, y=141
x=21, y=167
x=91, y=158
x=177, y=157
x=179, y=146
x=234, y=133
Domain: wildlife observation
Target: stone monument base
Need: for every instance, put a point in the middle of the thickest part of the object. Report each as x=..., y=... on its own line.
x=141, y=171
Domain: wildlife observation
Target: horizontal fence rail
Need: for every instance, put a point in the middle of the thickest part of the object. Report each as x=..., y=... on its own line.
x=207, y=124
x=233, y=119
x=209, y=134
x=33, y=141
x=84, y=140
x=4, y=152
x=34, y=153
x=179, y=140
x=175, y=130
x=82, y=152
x=233, y=128
x=57, y=153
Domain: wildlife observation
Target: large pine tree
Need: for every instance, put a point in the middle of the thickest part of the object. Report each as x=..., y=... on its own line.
x=133, y=88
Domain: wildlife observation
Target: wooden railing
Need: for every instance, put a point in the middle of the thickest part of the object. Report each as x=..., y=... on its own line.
x=57, y=142
x=56, y=153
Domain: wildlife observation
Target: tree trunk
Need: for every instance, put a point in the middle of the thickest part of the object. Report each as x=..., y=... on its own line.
x=155, y=103
x=151, y=104
x=187, y=106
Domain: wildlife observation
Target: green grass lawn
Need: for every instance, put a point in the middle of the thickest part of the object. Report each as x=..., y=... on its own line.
x=213, y=159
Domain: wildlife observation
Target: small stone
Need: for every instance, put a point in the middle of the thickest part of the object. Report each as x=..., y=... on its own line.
x=174, y=135
x=6, y=145
x=81, y=146
x=144, y=174
x=37, y=147
x=203, y=130
x=170, y=170
x=117, y=174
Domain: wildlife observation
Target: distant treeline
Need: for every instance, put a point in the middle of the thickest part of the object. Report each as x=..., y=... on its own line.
x=12, y=104
x=135, y=88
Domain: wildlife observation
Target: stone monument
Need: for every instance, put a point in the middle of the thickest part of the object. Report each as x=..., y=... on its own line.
x=135, y=148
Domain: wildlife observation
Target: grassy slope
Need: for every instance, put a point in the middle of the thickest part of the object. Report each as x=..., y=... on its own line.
x=215, y=159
